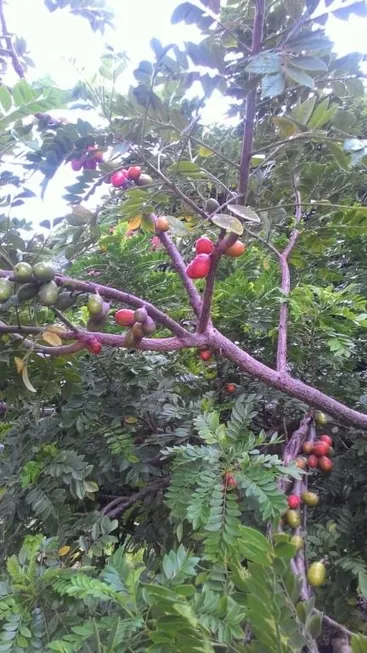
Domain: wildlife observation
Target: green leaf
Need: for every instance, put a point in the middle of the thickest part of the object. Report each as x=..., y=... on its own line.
x=177, y=227
x=338, y=154
x=362, y=583
x=5, y=98
x=265, y=62
x=359, y=644
x=314, y=626
x=343, y=120
x=303, y=110
x=184, y=168
x=228, y=222
x=300, y=77
x=272, y=85
x=309, y=63
x=186, y=12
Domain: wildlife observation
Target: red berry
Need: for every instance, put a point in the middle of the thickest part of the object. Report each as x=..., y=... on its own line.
x=118, y=179
x=320, y=448
x=125, y=317
x=294, y=501
x=134, y=173
x=327, y=439
x=199, y=267
x=301, y=463
x=312, y=461
x=206, y=355
x=204, y=246
x=76, y=165
x=230, y=480
x=325, y=464
x=237, y=249
x=90, y=164
x=307, y=447
x=230, y=387
x=94, y=346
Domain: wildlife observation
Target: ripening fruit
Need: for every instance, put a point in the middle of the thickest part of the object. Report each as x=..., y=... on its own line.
x=301, y=462
x=95, y=304
x=310, y=498
x=321, y=418
x=22, y=271
x=6, y=290
x=94, y=346
x=141, y=314
x=27, y=291
x=237, y=249
x=230, y=480
x=125, y=317
x=144, y=180
x=206, y=355
x=211, y=205
x=118, y=179
x=149, y=326
x=162, y=224
x=49, y=293
x=297, y=541
x=312, y=461
x=327, y=439
x=316, y=574
x=138, y=331
x=76, y=165
x=65, y=300
x=307, y=447
x=325, y=464
x=204, y=246
x=134, y=173
x=293, y=518
x=43, y=271
x=230, y=387
x=199, y=268
x=320, y=448
x=294, y=501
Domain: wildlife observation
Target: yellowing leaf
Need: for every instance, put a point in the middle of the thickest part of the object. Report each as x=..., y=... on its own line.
x=266, y=263
x=26, y=380
x=228, y=222
x=52, y=338
x=91, y=486
x=56, y=329
x=19, y=364
x=204, y=151
x=64, y=550
x=130, y=420
x=134, y=223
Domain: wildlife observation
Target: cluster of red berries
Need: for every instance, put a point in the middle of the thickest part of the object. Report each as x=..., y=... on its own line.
x=88, y=160
x=128, y=177
x=318, y=453
x=229, y=480
x=199, y=267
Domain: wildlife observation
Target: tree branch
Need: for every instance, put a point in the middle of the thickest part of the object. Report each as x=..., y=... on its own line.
x=286, y=287
x=18, y=68
x=118, y=296
x=248, y=132
x=180, y=267
x=120, y=504
x=210, y=281
x=284, y=382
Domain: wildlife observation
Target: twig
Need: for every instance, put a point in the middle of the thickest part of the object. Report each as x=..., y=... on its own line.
x=286, y=286
x=248, y=132
x=121, y=504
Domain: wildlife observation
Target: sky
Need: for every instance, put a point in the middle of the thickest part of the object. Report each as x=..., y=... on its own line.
x=62, y=44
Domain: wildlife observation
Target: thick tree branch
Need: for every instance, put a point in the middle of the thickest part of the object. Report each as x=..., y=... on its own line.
x=284, y=382
x=248, y=132
x=286, y=287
